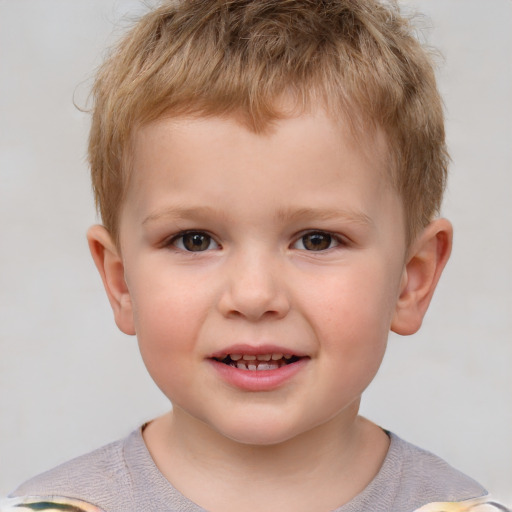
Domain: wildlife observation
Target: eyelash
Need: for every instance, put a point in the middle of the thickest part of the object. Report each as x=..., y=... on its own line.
x=180, y=241
x=175, y=240
x=322, y=236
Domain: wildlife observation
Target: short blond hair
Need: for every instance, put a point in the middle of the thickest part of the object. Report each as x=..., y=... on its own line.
x=237, y=57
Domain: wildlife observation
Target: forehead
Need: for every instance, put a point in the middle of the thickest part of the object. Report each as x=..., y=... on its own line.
x=193, y=135
x=307, y=157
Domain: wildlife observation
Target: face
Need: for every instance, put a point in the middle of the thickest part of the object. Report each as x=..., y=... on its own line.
x=262, y=270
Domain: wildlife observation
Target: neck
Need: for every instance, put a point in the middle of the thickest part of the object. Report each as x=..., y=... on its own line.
x=327, y=465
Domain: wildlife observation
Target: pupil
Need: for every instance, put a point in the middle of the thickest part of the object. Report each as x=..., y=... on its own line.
x=317, y=241
x=196, y=241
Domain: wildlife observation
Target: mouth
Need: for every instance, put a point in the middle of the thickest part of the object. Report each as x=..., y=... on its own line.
x=258, y=362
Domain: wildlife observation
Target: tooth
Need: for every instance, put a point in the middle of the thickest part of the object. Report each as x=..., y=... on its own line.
x=276, y=357
x=252, y=367
x=235, y=357
x=247, y=357
x=287, y=356
x=264, y=357
x=268, y=366
x=241, y=366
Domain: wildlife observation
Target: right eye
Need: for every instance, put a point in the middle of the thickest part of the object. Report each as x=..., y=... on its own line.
x=194, y=241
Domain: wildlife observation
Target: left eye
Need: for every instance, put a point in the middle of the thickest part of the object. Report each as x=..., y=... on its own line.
x=195, y=241
x=316, y=241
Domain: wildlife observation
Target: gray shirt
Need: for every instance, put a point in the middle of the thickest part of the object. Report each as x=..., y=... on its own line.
x=122, y=477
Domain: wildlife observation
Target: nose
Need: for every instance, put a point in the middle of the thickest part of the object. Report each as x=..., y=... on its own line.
x=254, y=288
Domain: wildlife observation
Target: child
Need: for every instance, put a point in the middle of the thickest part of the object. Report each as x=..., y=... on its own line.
x=268, y=175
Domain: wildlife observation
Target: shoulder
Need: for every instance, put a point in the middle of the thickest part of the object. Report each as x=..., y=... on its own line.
x=94, y=477
x=428, y=473
x=410, y=478
x=120, y=477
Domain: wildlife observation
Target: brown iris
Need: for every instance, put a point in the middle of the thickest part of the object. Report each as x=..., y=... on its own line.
x=317, y=241
x=196, y=241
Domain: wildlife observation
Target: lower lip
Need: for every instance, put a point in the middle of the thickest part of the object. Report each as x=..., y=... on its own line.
x=258, y=380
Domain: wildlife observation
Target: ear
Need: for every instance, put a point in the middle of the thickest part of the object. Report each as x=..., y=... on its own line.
x=110, y=265
x=426, y=260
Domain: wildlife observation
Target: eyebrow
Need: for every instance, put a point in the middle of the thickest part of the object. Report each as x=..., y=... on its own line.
x=282, y=215
x=183, y=212
x=295, y=215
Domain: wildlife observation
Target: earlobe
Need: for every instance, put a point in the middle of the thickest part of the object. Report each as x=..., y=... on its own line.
x=426, y=261
x=110, y=265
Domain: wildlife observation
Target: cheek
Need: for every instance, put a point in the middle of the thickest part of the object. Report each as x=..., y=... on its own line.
x=167, y=320
x=353, y=306
x=352, y=344
x=166, y=304
x=351, y=318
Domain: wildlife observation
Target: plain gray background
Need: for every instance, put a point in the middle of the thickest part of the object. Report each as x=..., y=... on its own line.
x=70, y=382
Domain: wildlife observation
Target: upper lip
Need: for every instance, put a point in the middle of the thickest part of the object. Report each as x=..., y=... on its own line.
x=254, y=350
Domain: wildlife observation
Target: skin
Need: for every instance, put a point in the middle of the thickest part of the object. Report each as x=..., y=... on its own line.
x=257, y=202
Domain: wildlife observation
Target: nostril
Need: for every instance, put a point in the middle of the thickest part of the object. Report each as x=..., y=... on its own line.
x=253, y=294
